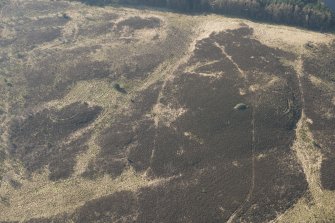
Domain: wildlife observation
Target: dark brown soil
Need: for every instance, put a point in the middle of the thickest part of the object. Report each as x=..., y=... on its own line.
x=320, y=108
x=205, y=171
x=328, y=173
x=49, y=129
x=118, y=207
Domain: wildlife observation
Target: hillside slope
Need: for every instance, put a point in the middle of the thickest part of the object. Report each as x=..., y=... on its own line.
x=127, y=115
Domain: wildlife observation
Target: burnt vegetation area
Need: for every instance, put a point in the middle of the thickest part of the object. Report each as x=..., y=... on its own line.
x=229, y=151
x=140, y=23
x=249, y=55
x=319, y=67
x=57, y=72
x=213, y=146
x=47, y=80
x=40, y=139
x=311, y=14
x=210, y=170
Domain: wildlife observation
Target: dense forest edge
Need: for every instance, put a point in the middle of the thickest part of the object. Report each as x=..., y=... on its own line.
x=310, y=14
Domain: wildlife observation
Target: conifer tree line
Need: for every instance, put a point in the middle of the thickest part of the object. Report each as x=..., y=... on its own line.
x=312, y=14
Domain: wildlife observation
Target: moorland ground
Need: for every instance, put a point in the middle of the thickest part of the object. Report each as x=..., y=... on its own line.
x=129, y=115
